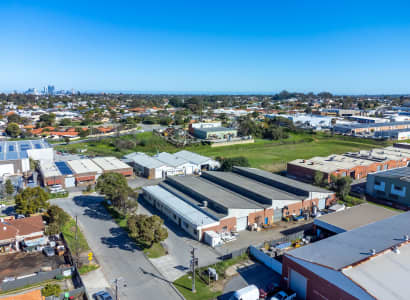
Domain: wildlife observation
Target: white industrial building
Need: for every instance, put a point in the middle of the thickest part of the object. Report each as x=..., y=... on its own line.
x=85, y=171
x=113, y=164
x=166, y=164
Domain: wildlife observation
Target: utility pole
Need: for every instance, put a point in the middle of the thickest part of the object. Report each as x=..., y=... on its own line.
x=76, y=241
x=194, y=262
x=116, y=282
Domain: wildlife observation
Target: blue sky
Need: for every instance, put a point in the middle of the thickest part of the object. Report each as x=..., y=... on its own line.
x=206, y=46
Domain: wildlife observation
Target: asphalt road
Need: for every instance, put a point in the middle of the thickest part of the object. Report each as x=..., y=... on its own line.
x=116, y=252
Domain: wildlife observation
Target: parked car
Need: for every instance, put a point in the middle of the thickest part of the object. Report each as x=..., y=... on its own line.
x=48, y=251
x=102, y=295
x=251, y=292
x=282, y=295
x=20, y=216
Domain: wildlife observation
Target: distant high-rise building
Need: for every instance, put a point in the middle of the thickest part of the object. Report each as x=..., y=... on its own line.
x=50, y=89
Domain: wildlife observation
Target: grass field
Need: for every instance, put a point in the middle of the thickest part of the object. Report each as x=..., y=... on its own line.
x=264, y=154
x=69, y=234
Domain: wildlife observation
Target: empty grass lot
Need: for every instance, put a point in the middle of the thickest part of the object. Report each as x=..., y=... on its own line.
x=264, y=154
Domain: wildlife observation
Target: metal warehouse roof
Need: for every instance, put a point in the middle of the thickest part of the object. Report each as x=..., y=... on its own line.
x=394, y=173
x=170, y=159
x=207, y=210
x=63, y=168
x=351, y=247
x=355, y=216
x=82, y=166
x=360, y=125
x=214, y=129
x=145, y=160
x=283, y=180
x=49, y=169
x=108, y=163
x=12, y=150
x=216, y=193
x=254, y=186
x=192, y=157
x=385, y=276
x=192, y=214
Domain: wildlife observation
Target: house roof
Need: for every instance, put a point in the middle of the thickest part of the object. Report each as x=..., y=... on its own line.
x=20, y=227
x=354, y=246
x=32, y=295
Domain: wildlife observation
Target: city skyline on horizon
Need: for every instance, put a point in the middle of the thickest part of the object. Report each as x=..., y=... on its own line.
x=233, y=47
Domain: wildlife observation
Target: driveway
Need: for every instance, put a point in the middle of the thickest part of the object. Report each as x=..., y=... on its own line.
x=179, y=245
x=116, y=252
x=256, y=274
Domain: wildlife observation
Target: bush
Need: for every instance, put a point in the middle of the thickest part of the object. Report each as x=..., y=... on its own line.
x=51, y=290
x=228, y=163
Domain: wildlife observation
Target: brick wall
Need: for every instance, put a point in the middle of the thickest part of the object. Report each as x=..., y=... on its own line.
x=266, y=213
x=229, y=223
x=317, y=287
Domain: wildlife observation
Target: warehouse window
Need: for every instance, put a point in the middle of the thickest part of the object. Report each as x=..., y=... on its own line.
x=195, y=231
x=185, y=224
x=174, y=215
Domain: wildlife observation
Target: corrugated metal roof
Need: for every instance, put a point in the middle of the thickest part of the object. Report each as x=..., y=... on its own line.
x=192, y=157
x=187, y=211
x=82, y=166
x=13, y=150
x=170, y=159
x=109, y=163
x=393, y=173
x=345, y=249
x=145, y=160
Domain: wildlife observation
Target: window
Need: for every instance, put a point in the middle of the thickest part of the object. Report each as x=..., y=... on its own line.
x=195, y=231
x=185, y=224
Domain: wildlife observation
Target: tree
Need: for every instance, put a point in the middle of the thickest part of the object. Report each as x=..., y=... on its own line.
x=318, y=179
x=9, y=187
x=228, y=163
x=65, y=122
x=147, y=229
x=13, y=130
x=47, y=119
x=31, y=200
x=51, y=290
x=342, y=186
x=66, y=139
x=115, y=187
x=13, y=118
x=56, y=218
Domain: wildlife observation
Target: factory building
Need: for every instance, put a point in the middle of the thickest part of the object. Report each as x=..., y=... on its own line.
x=67, y=173
x=166, y=164
x=113, y=164
x=50, y=174
x=391, y=186
x=354, y=164
x=15, y=155
x=237, y=200
x=370, y=129
x=85, y=171
x=368, y=262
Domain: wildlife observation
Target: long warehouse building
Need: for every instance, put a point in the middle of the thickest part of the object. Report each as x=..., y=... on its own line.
x=236, y=200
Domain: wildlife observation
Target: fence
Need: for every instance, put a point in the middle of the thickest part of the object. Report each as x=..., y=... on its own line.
x=268, y=261
x=37, y=278
x=73, y=293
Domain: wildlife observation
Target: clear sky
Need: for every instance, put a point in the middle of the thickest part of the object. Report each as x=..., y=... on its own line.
x=206, y=46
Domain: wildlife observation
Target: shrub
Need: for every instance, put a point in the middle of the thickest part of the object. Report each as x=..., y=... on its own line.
x=51, y=290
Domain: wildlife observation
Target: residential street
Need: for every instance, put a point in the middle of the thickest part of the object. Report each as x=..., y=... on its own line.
x=116, y=252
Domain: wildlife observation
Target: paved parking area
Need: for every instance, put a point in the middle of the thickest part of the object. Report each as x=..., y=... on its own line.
x=256, y=274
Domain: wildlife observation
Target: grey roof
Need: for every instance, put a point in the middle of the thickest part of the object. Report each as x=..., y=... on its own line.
x=13, y=150
x=192, y=157
x=361, y=125
x=144, y=160
x=355, y=216
x=215, y=192
x=348, y=248
x=253, y=186
x=189, y=212
x=170, y=159
x=207, y=210
x=282, y=180
x=394, y=173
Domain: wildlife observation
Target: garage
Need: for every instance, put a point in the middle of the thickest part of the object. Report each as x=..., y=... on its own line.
x=241, y=223
x=322, y=203
x=298, y=283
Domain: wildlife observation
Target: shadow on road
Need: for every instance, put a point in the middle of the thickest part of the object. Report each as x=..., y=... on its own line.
x=154, y=275
x=94, y=207
x=119, y=239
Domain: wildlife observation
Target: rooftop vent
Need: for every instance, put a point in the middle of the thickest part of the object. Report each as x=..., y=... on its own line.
x=372, y=251
x=396, y=250
x=406, y=237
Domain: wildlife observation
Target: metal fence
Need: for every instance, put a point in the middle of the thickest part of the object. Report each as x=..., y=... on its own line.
x=37, y=278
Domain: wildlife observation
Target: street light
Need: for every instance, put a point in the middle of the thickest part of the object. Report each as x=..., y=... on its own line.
x=117, y=281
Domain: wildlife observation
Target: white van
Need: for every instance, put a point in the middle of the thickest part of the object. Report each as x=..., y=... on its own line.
x=251, y=292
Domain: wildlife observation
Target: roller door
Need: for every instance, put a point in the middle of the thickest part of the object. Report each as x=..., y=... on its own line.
x=322, y=203
x=277, y=215
x=298, y=283
x=69, y=182
x=241, y=223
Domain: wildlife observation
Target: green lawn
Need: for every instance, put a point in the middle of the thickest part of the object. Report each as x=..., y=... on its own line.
x=69, y=235
x=203, y=292
x=84, y=269
x=155, y=251
x=264, y=154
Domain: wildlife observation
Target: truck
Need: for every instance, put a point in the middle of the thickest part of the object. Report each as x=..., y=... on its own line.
x=251, y=292
x=282, y=295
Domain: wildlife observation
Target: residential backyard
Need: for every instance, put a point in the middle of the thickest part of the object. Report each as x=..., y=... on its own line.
x=264, y=154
